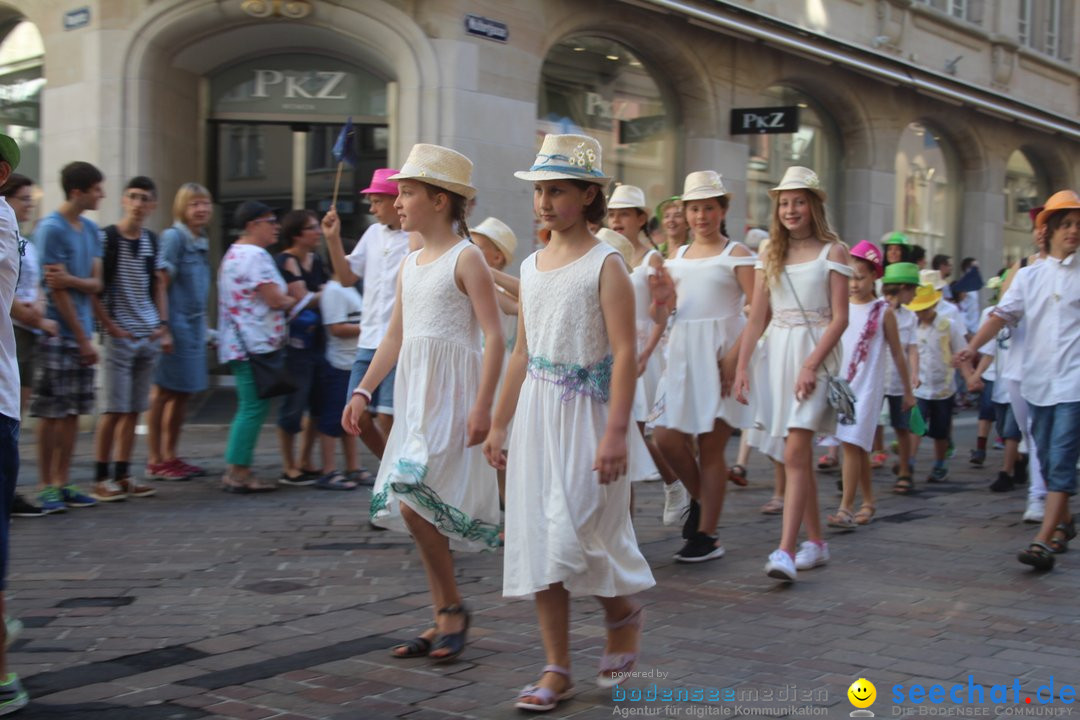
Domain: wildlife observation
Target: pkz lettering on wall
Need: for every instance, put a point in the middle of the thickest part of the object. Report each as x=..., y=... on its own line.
x=317, y=85
x=756, y=121
x=487, y=28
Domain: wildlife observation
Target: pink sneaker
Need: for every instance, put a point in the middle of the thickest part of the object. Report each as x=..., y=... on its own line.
x=189, y=469
x=167, y=470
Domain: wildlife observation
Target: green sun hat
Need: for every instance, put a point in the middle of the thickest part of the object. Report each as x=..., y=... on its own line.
x=901, y=273
x=897, y=238
x=9, y=151
x=663, y=204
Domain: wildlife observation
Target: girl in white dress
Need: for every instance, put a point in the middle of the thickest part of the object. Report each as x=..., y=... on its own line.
x=433, y=482
x=871, y=326
x=804, y=263
x=705, y=288
x=627, y=215
x=571, y=382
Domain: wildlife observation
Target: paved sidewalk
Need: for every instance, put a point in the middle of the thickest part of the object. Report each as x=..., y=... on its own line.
x=199, y=604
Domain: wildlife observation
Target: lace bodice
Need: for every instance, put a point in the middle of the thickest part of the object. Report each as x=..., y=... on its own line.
x=432, y=305
x=563, y=321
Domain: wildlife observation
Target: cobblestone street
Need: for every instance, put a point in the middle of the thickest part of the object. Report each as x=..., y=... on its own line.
x=197, y=604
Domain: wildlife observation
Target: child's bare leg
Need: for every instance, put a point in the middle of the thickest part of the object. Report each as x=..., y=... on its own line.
x=800, y=497
x=713, y=478
x=434, y=550
x=678, y=450
x=553, y=614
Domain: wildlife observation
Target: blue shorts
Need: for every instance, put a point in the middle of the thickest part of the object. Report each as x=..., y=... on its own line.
x=938, y=417
x=898, y=419
x=9, y=474
x=382, y=400
x=1006, y=425
x=1056, y=429
x=986, y=402
x=333, y=395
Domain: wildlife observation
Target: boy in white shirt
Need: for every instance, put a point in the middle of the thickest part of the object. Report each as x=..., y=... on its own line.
x=939, y=340
x=1047, y=295
x=376, y=260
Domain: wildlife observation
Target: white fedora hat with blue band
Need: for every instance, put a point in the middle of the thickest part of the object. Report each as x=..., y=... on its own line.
x=567, y=157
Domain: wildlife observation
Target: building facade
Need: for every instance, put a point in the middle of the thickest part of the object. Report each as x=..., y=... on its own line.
x=947, y=119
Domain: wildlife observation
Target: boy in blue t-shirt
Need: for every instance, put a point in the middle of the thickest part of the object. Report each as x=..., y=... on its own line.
x=70, y=252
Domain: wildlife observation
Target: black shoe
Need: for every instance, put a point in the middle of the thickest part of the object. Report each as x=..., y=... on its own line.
x=699, y=548
x=21, y=507
x=1004, y=483
x=693, y=517
x=1020, y=472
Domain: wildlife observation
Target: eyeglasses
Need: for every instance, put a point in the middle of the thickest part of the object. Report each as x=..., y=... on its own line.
x=22, y=198
x=272, y=220
x=139, y=196
x=312, y=227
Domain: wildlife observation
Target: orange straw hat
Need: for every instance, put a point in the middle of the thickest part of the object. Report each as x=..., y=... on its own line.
x=1060, y=201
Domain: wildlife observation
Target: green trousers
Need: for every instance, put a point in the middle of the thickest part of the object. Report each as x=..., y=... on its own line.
x=250, y=413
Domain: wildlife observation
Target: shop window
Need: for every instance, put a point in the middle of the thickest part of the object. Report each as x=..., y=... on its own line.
x=813, y=145
x=595, y=86
x=22, y=80
x=245, y=152
x=925, y=204
x=1025, y=188
x=1044, y=26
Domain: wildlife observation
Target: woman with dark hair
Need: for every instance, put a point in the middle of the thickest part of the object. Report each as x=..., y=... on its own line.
x=305, y=276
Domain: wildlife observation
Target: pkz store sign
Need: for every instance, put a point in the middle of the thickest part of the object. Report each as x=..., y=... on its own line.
x=758, y=121
x=486, y=28
x=297, y=85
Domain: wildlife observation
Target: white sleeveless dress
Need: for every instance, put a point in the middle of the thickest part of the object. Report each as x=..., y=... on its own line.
x=788, y=344
x=706, y=325
x=647, y=382
x=562, y=525
x=426, y=464
x=868, y=382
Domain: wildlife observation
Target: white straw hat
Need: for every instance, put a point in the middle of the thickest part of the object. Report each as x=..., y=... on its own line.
x=618, y=242
x=703, y=184
x=499, y=233
x=567, y=157
x=933, y=277
x=628, y=196
x=799, y=178
x=438, y=166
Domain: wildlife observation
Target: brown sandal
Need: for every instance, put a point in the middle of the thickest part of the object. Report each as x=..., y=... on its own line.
x=865, y=516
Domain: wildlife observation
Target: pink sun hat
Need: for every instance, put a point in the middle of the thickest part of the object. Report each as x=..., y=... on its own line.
x=866, y=250
x=381, y=184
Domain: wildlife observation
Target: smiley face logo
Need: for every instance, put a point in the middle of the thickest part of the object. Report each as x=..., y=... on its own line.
x=862, y=693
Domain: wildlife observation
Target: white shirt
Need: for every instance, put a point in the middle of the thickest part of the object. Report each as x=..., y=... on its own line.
x=946, y=308
x=29, y=287
x=969, y=309
x=906, y=321
x=377, y=259
x=1047, y=295
x=9, y=275
x=246, y=324
x=938, y=343
x=340, y=304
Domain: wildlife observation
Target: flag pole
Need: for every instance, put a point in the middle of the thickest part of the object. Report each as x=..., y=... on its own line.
x=337, y=182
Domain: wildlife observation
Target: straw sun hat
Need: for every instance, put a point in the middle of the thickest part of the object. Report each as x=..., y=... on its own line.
x=627, y=196
x=567, y=157
x=799, y=178
x=702, y=185
x=498, y=233
x=438, y=166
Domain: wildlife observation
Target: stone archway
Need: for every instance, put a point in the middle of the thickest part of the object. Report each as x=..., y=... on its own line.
x=177, y=42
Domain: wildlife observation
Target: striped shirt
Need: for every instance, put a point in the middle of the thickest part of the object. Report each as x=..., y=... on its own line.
x=127, y=299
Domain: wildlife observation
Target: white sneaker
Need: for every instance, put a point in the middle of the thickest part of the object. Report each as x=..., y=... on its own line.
x=1036, y=507
x=811, y=555
x=676, y=500
x=780, y=566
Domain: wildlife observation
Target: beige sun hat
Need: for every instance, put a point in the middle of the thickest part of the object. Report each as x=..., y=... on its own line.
x=797, y=177
x=499, y=233
x=567, y=157
x=932, y=277
x=628, y=196
x=702, y=185
x=618, y=242
x=439, y=166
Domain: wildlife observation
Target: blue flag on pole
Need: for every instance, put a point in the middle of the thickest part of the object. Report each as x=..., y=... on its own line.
x=344, y=149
